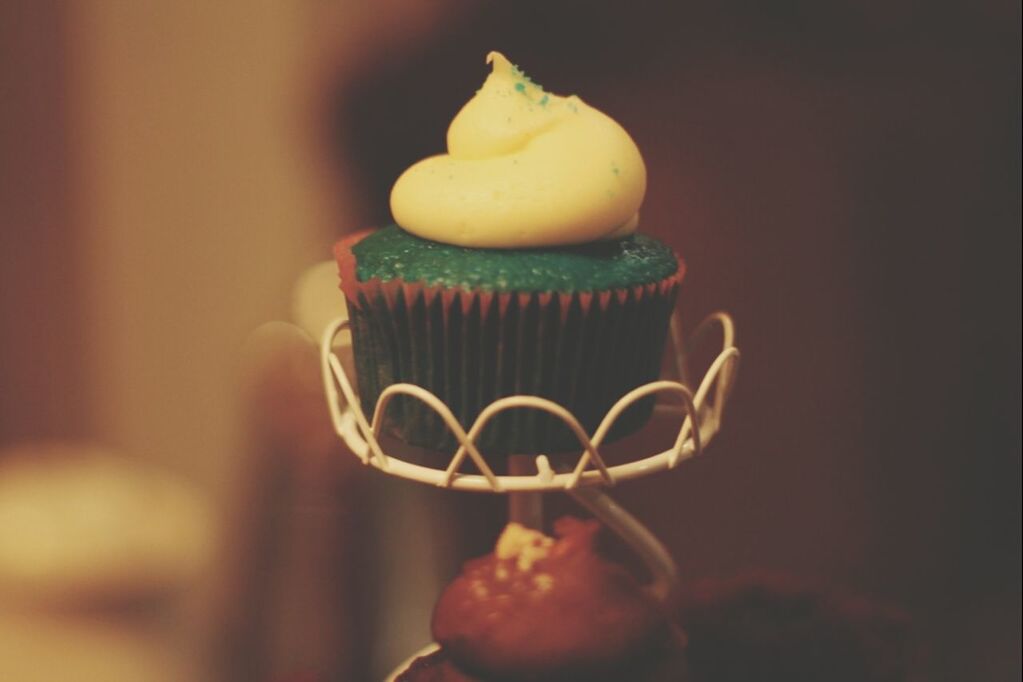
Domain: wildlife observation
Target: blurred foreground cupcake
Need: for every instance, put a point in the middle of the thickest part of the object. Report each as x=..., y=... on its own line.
x=102, y=561
x=514, y=268
x=81, y=526
x=545, y=609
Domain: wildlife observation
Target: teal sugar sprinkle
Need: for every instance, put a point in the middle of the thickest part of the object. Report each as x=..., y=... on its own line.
x=526, y=80
x=543, y=100
x=519, y=73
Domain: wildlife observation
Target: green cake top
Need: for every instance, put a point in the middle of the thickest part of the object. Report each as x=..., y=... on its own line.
x=391, y=253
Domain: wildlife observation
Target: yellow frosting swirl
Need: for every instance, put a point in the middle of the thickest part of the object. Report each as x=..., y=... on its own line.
x=524, y=168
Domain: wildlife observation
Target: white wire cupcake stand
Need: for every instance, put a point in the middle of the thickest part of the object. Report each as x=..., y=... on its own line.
x=530, y=475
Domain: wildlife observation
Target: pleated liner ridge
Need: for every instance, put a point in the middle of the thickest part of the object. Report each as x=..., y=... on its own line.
x=584, y=350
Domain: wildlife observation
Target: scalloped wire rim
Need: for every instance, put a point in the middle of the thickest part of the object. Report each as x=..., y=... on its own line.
x=361, y=435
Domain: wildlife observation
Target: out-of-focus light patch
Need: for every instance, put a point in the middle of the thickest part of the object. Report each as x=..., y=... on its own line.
x=38, y=647
x=317, y=300
x=82, y=526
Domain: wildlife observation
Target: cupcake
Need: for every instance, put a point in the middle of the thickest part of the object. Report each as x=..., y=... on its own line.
x=541, y=608
x=513, y=268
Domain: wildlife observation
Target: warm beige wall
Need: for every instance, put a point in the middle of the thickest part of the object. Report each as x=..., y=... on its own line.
x=197, y=184
x=200, y=188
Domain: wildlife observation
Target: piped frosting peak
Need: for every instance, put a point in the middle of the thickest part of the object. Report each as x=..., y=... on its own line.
x=524, y=168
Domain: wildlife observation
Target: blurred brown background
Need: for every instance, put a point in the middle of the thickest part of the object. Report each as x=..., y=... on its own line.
x=843, y=177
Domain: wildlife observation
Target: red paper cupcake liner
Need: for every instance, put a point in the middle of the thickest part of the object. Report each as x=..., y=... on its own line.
x=583, y=350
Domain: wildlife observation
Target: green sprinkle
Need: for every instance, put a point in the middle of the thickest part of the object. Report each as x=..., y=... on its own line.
x=543, y=100
x=519, y=73
x=521, y=87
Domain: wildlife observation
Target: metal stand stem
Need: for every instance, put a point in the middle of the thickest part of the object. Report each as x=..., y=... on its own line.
x=524, y=507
